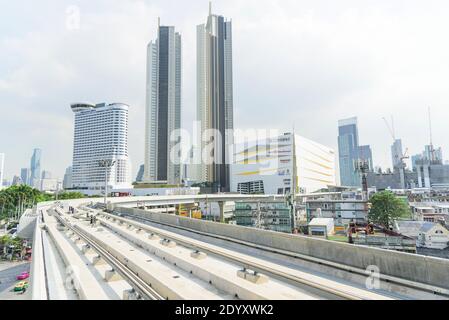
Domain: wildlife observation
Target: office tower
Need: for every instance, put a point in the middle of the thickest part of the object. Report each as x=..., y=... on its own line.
x=25, y=175
x=163, y=107
x=214, y=100
x=366, y=154
x=2, y=167
x=67, y=181
x=348, y=149
x=139, y=177
x=396, y=153
x=35, y=167
x=101, y=133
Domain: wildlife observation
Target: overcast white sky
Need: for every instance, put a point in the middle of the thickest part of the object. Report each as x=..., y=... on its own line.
x=301, y=63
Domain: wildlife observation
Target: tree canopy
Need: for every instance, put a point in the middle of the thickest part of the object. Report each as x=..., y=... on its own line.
x=386, y=207
x=24, y=196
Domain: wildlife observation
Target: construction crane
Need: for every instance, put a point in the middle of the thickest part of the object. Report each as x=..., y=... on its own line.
x=391, y=129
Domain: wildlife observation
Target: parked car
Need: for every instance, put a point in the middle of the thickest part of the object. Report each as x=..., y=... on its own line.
x=24, y=275
x=21, y=285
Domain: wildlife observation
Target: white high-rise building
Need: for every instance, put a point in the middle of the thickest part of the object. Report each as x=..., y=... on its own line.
x=163, y=107
x=2, y=168
x=101, y=133
x=214, y=100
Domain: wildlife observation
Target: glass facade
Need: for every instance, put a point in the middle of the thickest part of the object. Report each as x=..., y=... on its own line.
x=348, y=151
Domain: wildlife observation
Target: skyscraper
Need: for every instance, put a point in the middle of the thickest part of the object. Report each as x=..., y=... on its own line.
x=25, y=175
x=366, y=154
x=396, y=153
x=2, y=168
x=163, y=106
x=101, y=133
x=35, y=167
x=67, y=182
x=348, y=151
x=215, y=99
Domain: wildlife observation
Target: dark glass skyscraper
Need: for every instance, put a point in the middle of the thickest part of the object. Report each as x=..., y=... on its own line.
x=163, y=106
x=348, y=151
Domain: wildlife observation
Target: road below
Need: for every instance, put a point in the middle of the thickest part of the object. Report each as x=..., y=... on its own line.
x=8, y=274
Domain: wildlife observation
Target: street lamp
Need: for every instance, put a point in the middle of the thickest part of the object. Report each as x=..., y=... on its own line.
x=106, y=164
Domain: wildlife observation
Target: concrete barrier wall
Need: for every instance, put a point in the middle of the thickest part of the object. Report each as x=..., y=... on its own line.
x=428, y=270
x=38, y=285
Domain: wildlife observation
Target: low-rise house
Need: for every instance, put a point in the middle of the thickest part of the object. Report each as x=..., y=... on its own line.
x=429, y=211
x=427, y=234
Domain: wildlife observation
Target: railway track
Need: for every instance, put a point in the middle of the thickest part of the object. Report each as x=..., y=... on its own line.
x=317, y=284
x=144, y=290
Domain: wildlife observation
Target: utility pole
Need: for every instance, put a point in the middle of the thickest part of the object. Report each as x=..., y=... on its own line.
x=106, y=164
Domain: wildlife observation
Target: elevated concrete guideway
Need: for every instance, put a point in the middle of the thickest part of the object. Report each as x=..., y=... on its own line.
x=179, y=257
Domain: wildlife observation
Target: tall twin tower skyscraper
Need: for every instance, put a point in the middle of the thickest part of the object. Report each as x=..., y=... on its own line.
x=214, y=103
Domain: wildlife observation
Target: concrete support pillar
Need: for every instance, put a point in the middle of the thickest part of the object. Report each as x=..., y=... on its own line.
x=111, y=275
x=153, y=236
x=253, y=277
x=198, y=255
x=138, y=230
x=87, y=249
x=221, y=205
x=78, y=241
x=168, y=243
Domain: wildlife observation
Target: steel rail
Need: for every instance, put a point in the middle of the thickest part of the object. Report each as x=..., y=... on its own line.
x=144, y=289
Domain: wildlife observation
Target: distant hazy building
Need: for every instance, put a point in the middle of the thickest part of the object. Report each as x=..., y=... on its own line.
x=48, y=184
x=46, y=174
x=35, y=167
x=25, y=175
x=67, y=182
x=140, y=173
x=2, y=167
x=396, y=153
x=279, y=165
x=16, y=181
x=100, y=133
x=163, y=106
x=366, y=154
x=348, y=151
x=425, y=157
x=214, y=100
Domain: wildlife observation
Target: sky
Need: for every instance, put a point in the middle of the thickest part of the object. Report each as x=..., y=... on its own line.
x=301, y=64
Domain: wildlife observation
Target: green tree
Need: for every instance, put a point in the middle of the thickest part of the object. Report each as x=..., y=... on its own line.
x=386, y=207
x=70, y=195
